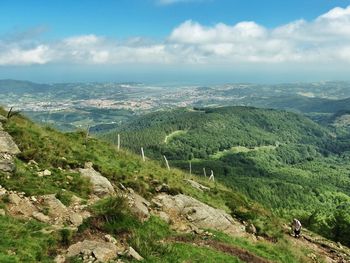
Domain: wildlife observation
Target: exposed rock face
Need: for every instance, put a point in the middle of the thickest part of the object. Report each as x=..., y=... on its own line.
x=56, y=213
x=8, y=148
x=21, y=206
x=41, y=217
x=56, y=209
x=138, y=205
x=100, y=250
x=7, y=145
x=199, y=214
x=101, y=185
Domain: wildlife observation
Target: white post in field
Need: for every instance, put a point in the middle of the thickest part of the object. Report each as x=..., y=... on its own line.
x=118, y=141
x=205, y=173
x=211, y=177
x=143, y=154
x=166, y=162
x=190, y=168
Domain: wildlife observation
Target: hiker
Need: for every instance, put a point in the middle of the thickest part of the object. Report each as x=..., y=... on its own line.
x=296, y=226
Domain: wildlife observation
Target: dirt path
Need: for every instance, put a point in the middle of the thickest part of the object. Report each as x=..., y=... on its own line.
x=331, y=252
x=242, y=254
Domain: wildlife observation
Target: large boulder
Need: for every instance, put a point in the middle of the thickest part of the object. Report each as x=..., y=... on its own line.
x=138, y=205
x=100, y=250
x=199, y=214
x=7, y=145
x=100, y=184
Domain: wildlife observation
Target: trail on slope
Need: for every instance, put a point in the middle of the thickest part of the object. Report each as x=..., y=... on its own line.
x=332, y=251
x=242, y=254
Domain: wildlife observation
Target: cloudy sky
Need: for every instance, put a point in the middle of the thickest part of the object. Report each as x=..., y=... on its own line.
x=168, y=41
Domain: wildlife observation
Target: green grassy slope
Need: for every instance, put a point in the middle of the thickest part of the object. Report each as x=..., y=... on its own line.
x=23, y=241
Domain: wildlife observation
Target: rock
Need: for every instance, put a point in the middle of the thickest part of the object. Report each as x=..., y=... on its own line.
x=76, y=219
x=1, y=128
x=2, y=192
x=6, y=163
x=32, y=162
x=7, y=145
x=110, y=239
x=199, y=214
x=164, y=216
x=14, y=199
x=56, y=210
x=41, y=217
x=88, y=165
x=20, y=207
x=100, y=184
x=250, y=228
x=198, y=186
x=46, y=172
x=132, y=253
x=2, y=212
x=164, y=188
x=139, y=206
x=60, y=259
x=102, y=251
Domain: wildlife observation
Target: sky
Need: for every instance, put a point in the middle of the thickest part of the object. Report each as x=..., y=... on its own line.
x=175, y=41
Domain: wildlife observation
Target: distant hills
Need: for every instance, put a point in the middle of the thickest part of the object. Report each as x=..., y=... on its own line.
x=104, y=106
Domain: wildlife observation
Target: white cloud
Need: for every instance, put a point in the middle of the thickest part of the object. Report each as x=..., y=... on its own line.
x=325, y=40
x=17, y=56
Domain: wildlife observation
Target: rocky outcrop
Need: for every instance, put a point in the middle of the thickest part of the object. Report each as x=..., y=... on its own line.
x=7, y=145
x=20, y=206
x=93, y=251
x=46, y=209
x=138, y=205
x=8, y=149
x=100, y=184
x=198, y=214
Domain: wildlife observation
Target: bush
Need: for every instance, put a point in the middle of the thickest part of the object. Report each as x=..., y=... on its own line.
x=111, y=208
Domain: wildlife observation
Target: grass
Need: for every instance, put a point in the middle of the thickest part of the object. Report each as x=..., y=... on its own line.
x=282, y=251
x=22, y=241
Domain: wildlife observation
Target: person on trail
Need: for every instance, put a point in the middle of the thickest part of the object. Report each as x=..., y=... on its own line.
x=296, y=226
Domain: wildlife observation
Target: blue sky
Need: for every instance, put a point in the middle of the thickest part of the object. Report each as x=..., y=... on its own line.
x=175, y=40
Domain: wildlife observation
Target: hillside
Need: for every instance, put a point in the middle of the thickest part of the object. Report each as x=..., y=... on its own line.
x=73, y=198
x=282, y=160
x=209, y=130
